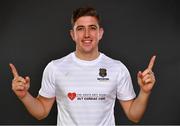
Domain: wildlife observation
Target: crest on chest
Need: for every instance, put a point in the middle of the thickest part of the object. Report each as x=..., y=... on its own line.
x=102, y=74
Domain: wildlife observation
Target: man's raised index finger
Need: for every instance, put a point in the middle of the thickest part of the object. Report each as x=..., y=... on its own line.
x=13, y=69
x=151, y=63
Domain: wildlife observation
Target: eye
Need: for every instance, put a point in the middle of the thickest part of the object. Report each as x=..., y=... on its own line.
x=93, y=27
x=80, y=28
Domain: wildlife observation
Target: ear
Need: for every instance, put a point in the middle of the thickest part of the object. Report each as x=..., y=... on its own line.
x=72, y=34
x=101, y=32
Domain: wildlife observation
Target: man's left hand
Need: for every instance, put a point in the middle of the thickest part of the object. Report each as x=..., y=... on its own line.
x=146, y=79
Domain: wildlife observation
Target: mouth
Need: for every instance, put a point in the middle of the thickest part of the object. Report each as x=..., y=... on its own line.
x=87, y=42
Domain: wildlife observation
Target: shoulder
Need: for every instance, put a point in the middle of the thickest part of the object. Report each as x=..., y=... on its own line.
x=116, y=66
x=114, y=63
x=59, y=63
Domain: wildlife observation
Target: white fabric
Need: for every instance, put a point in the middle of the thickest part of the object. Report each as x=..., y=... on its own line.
x=83, y=96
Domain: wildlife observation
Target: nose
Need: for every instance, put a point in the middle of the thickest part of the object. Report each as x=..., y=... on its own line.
x=86, y=33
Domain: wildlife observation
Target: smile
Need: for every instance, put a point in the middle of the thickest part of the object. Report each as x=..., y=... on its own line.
x=87, y=42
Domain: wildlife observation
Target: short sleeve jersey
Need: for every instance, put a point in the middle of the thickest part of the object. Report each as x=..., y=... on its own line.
x=86, y=91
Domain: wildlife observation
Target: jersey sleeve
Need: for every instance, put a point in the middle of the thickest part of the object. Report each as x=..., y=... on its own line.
x=48, y=82
x=125, y=90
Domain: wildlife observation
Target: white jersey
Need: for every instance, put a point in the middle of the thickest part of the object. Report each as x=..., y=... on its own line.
x=85, y=91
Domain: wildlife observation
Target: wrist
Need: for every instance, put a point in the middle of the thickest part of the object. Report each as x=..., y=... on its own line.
x=144, y=93
x=22, y=98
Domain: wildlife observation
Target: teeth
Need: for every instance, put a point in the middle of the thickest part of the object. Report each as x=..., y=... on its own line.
x=87, y=41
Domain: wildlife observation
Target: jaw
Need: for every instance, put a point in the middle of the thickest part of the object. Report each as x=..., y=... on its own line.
x=87, y=53
x=87, y=48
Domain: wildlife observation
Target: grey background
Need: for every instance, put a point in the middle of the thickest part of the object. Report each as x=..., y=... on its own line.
x=32, y=33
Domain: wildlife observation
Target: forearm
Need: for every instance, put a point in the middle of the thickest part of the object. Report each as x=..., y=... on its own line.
x=34, y=106
x=138, y=106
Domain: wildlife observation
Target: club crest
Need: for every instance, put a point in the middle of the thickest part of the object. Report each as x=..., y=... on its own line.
x=102, y=72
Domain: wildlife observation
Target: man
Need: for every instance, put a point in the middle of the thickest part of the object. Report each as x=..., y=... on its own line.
x=86, y=82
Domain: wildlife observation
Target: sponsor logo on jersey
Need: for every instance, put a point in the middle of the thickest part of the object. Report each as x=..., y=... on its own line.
x=102, y=74
x=71, y=95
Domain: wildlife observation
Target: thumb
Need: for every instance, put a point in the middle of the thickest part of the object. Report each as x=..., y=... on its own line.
x=139, y=75
x=27, y=79
x=139, y=78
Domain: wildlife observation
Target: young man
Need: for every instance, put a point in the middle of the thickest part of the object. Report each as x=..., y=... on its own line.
x=86, y=82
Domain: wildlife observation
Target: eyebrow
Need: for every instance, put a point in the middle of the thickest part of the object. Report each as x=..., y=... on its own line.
x=93, y=26
x=79, y=26
x=88, y=26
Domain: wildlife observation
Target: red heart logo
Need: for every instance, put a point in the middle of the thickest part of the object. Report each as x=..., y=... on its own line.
x=72, y=95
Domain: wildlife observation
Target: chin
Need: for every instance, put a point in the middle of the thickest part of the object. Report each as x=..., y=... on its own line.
x=87, y=50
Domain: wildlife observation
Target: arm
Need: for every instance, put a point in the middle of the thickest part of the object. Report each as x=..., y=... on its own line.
x=134, y=109
x=38, y=107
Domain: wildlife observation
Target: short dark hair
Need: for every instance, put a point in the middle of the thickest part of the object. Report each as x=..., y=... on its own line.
x=84, y=11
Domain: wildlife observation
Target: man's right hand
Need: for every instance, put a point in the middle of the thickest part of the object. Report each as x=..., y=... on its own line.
x=20, y=85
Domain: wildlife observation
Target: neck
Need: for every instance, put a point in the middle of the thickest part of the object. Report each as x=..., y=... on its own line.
x=87, y=56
